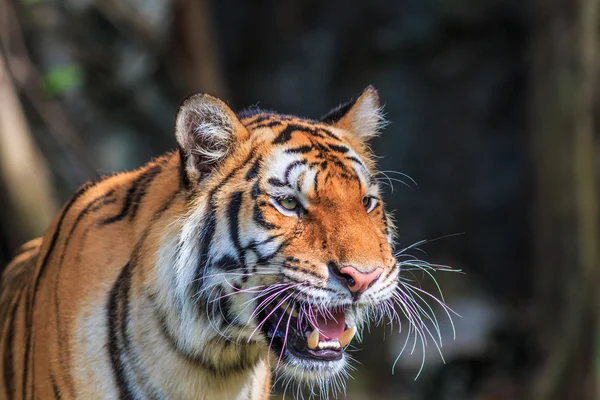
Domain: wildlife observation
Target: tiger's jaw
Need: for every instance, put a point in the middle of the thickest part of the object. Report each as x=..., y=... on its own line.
x=308, y=342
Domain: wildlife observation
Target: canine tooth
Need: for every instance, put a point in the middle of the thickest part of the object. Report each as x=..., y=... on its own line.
x=313, y=339
x=290, y=310
x=347, y=336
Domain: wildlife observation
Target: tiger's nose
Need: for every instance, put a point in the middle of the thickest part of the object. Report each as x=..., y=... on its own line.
x=359, y=281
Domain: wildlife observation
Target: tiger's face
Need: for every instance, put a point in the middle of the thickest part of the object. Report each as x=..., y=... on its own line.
x=295, y=244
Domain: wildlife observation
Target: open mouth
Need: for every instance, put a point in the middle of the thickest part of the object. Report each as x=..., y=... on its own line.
x=305, y=331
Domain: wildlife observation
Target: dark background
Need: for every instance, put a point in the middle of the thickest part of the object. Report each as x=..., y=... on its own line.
x=492, y=105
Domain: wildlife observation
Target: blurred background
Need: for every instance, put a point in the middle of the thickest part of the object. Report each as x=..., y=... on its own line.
x=493, y=109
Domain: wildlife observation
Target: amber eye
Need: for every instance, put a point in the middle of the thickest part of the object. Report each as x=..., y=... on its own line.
x=369, y=203
x=289, y=203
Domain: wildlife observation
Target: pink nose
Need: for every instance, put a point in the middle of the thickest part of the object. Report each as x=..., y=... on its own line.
x=359, y=281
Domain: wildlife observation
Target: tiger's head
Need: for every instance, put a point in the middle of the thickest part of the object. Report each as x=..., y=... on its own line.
x=285, y=243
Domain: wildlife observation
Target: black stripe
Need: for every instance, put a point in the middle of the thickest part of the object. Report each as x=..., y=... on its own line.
x=226, y=312
x=254, y=170
x=316, y=133
x=277, y=182
x=263, y=259
x=253, y=245
x=208, y=230
x=116, y=307
x=184, y=180
x=270, y=124
x=356, y=160
x=290, y=167
x=259, y=218
x=372, y=180
x=234, y=171
x=338, y=148
x=305, y=271
x=339, y=163
x=330, y=134
x=286, y=134
x=338, y=113
x=252, y=113
x=227, y=263
x=307, y=284
x=256, y=192
x=357, y=181
x=233, y=215
x=92, y=206
x=135, y=194
x=141, y=191
x=206, y=235
x=219, y=371
x=8, y=371
x=30, y=307
x=55, y=389
x=300, y=149
x=316, y=182
x=300, y=181
x=175, y=344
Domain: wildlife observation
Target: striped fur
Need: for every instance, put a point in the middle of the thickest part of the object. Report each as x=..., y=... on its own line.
x=144, y=285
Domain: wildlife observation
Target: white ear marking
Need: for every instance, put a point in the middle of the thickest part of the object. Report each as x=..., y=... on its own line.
x=206, y=130
x=363, y=118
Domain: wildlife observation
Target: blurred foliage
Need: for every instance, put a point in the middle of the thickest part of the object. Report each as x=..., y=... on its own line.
x=61, y=79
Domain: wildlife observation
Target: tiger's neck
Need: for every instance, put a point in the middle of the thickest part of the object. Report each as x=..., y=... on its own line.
x=169, y=342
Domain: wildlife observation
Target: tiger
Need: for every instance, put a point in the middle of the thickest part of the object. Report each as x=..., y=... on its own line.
x=259, y=247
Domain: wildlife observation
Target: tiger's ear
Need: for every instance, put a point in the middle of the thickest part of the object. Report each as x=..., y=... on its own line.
x=362, y=116
x=206, y=130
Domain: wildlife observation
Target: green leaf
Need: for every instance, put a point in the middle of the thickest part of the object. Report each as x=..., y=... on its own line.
x=61, y=79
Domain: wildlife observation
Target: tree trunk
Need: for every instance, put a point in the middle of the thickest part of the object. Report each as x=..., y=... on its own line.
x=23, y=170
x=564, y=43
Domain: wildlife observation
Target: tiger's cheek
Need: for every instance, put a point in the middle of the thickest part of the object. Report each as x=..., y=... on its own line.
x=299, y=229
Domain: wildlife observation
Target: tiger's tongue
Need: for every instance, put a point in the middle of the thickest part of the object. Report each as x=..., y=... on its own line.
x=332, y=325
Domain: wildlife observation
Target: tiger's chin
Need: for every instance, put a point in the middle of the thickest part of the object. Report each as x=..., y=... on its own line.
x=307, y=343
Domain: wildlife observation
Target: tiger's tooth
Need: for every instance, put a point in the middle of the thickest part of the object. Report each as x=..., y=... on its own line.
x=313, y=339
x=330, y=344
x=290, y=310
x=347, y=336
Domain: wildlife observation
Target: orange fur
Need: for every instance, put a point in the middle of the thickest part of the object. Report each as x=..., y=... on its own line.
x=115, y=300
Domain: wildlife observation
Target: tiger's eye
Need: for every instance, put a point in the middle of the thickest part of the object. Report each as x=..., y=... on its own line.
x=289, y=203
x=369, y=203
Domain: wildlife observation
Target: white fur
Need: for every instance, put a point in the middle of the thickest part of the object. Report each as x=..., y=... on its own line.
x=205, y=130
x=366, y=118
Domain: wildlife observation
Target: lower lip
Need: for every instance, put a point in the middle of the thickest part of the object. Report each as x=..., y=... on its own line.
x=317, y=355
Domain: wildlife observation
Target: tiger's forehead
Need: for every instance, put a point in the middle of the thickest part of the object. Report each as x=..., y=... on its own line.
x=291, y=130
x=281, y=123
x=303, y=154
